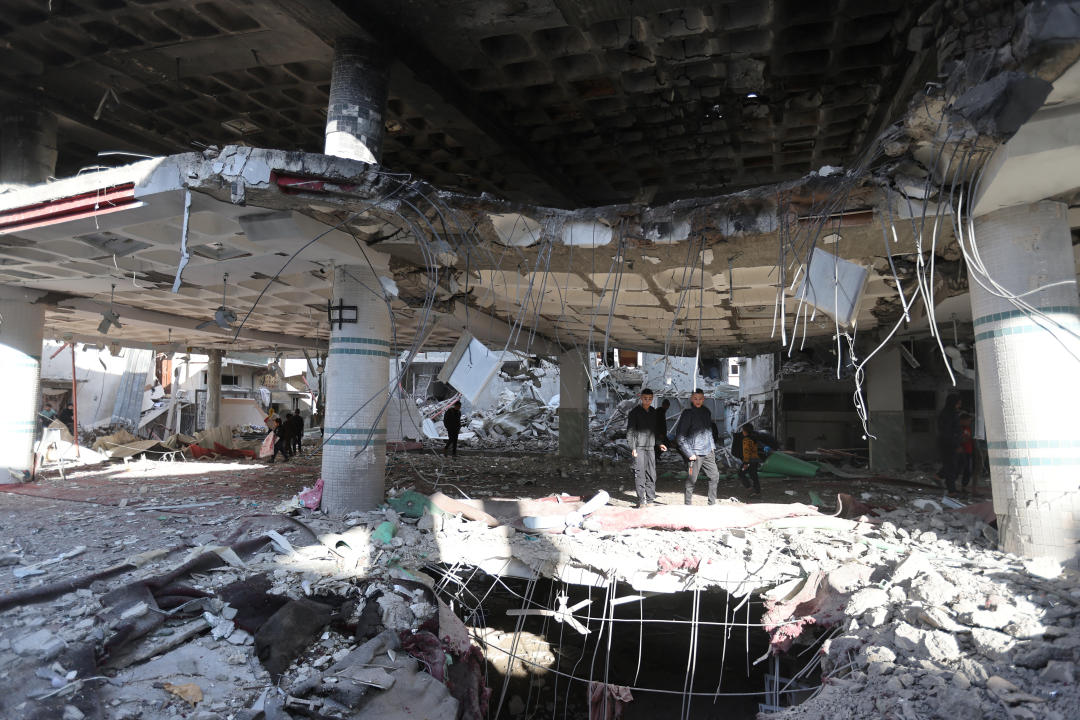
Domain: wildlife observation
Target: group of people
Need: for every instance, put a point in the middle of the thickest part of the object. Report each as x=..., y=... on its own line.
x=288, y=435
x=695, y=439
x=66, y=416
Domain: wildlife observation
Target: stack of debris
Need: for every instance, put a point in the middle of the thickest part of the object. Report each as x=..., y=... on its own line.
x=915, y=615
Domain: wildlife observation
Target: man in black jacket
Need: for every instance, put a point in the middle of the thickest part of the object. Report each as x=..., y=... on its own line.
x=452, y=420
x=949, y=441
x=695, y=434
x=297, y=431
x=645, y=429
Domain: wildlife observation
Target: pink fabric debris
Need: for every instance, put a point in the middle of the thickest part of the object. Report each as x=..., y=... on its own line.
x=816, y=603
x=311, y=497
x=666, y=564
x=267, y=447
x=607, y=702
x=696, y=517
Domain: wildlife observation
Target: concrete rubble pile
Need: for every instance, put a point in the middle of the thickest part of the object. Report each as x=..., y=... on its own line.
x=519, y=421
x=932, y=623
x=910, y=613
x=297, y=621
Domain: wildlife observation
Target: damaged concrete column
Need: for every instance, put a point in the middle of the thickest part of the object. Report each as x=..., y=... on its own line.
x=213, y=389
x=573, y=405
x=20, y=366
x=354, y=448
x=358, y=90
x=1028, y=365
x=27, y=146
x=885, y=400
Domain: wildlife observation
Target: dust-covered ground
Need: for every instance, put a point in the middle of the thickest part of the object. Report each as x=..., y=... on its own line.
x=917, y=614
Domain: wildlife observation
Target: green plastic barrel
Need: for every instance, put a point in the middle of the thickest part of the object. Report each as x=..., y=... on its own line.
x=787, y=465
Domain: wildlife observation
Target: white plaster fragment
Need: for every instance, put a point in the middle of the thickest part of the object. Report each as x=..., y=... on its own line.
x=515, y=230
x=586, y=234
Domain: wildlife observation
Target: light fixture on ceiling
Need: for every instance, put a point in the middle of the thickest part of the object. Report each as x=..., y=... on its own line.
x=751, y=96
x=109, y=318
x=223, y=316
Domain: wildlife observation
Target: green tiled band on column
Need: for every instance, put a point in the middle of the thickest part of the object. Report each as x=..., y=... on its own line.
x=337, y=342
x=1010, y=314
x=1013, y=461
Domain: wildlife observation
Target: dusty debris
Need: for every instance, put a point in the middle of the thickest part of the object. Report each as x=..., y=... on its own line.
x=189, y=692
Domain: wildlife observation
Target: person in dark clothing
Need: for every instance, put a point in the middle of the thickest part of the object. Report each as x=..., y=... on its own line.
x=297, y=432
x=645, y=430
x=452, y=421
x=694, y=435
x=967, y=450
x=949, y=438
x=661, y=439
x=282, y=440
x=746, y=448
x=67, y=416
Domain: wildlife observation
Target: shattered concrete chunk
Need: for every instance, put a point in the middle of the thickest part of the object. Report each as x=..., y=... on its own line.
x=41, y=643
x=991, y=644
x=866, y=599
x=1037, y=654
x=1059, y=671
x=915, y=565
x=933, y=589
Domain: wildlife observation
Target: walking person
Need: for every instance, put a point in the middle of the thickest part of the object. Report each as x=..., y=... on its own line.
x=645, y=430
x=967, y=451
x=282, y=442
x=745, y=447
x=452, y=421
x=948, y=439
x=694, y=435
x=297, y=432
x=67, y=416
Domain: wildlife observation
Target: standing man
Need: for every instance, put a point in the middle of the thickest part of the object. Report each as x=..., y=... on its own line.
x=949, y=441
x=452, y=420
x=67, y=416
x=297, y=432
x=644, y=432
x=694, y=434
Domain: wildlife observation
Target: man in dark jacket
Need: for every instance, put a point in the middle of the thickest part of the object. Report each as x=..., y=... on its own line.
x=644, y=431
x=297, y=432
x=694, y=434
x=282, y=440
x=67, y=416
x=452, y=421
x=949, y=441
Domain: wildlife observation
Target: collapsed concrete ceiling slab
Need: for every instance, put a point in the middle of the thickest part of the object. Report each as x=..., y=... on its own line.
x=265, y=227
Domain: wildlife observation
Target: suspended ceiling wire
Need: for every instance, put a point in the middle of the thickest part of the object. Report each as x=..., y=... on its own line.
x=431, y=261
x=620, y=263
x=691, y=659
x=530, y=588
x=349, y=218
x=606, y=620
x=688, y=267
x=981, y=275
